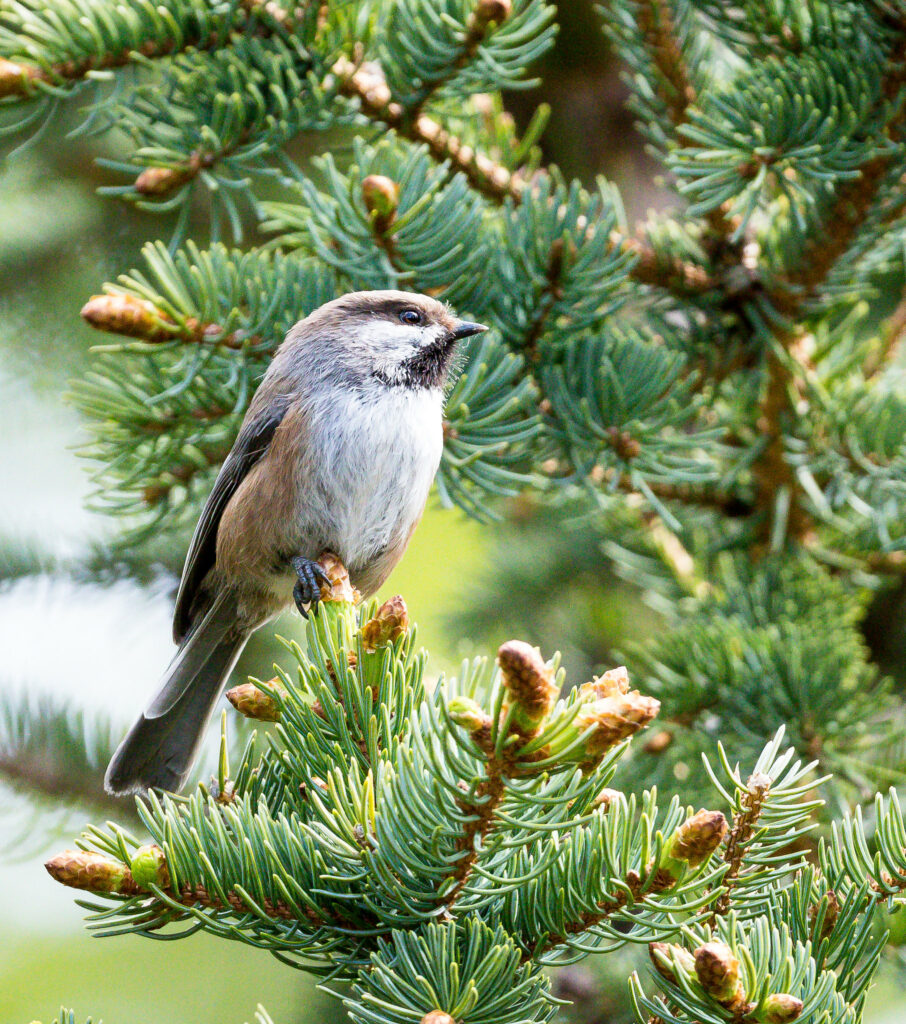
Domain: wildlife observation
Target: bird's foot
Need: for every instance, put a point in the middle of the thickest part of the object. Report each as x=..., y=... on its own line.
x=308, y=589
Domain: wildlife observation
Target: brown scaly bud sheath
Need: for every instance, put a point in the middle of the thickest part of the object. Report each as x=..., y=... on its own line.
x=779, y=1009
x=487, y=13
x=255, y=703
x=606, y=797
x=831, y=913
x=718, y=973
x=390, y=622
x=530, y=684
x=437, y=1017
x=614, y=719
x=125, y=314
x=340, y=588
x=381, y=196
x=696, y=839
x=161, y=181
x=93, y=872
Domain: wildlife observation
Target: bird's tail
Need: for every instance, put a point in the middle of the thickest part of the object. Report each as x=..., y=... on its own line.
x=161, y=746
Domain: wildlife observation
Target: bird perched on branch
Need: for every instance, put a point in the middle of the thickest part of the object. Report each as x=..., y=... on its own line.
x=337, y=452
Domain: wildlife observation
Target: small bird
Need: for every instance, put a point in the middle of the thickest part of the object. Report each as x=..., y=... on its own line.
x=337, y=452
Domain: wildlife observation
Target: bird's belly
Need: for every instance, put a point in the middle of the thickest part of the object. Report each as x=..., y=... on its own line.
x=365, y=494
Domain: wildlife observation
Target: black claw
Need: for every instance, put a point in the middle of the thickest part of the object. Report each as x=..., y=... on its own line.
x=308, y=590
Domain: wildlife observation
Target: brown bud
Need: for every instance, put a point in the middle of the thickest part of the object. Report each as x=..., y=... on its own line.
x=487, y=12
x=14, y=78
x=831, y=913
x=606, y=797
x=149, y=867
x=623, y=443
x=529, y=682
x=160, y=181
x=340, y=589
x=697, y=838
x=614, y=719
x=718, y=973
x=779, y=1009
x=85, y=869
x=252, y=702
x=388, y=624
x=125, y=314
x=667, y=959
x=612, y=683
x=381, y=196
x=437, y=1017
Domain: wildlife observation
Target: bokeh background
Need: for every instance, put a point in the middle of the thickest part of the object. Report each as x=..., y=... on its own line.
x=79, y=626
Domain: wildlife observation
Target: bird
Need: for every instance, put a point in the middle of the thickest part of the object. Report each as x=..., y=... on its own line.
x=337, y=452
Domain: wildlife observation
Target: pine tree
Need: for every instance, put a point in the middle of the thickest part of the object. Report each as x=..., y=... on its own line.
x=715, y=390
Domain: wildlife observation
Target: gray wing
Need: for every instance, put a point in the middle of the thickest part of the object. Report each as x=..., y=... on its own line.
x=251, y=444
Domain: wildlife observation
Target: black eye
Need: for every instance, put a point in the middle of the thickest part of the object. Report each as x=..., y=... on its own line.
x=410, y=316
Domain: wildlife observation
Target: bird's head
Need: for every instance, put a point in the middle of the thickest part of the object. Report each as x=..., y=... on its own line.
x=400, y=339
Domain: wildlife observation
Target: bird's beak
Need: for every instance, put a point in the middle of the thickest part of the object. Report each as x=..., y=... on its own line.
x=465, y=329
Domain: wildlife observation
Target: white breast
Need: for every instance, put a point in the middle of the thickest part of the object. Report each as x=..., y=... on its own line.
x=370, y=465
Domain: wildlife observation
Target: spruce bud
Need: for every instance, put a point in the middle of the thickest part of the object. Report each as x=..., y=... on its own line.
x=149, y=867
x=381, y=196
x=717, y=970
x=471, y=716
x=437, y=1017
x=85, y=869
x=693, y=842
x=831, y=913
x=340, y=589
x=160, y=181
x=13, y=78
x=488, y=12
x=252, y=702
x=530, y=685
x=614, y=719
x=668, y=959
x=125, y=314
x=779, y=1009
x=388, y=624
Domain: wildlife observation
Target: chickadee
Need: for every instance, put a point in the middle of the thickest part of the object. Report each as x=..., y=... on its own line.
x=337, y=453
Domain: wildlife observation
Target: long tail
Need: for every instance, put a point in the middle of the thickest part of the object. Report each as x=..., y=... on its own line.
x=160, y=748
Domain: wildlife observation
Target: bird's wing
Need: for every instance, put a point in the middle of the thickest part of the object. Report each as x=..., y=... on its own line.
x=251, y=444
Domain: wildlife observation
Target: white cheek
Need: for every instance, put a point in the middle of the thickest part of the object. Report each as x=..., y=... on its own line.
x=391, y=344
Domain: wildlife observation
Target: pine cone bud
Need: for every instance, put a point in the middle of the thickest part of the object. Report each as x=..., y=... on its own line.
x=14, y=78
x=160, y=181
x=149, y=867
x=470, y=715
x=718, y=973
x=613, y=683
x=831, y=913
x=693, y=842
x=340, y=588
x=529, y=682
x=614, y=719
x=668, y=959
x=252, y=702
x=125, y=314
x=388, y=624
x=487, y=12
x=85, y=869
x=437, y=1017
x=779, y=1009
x=381, y=196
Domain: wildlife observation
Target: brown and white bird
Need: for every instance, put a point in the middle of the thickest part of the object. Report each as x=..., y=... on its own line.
x=337, y=452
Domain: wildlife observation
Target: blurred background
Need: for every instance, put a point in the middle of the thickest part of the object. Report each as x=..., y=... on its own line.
x=89, y=630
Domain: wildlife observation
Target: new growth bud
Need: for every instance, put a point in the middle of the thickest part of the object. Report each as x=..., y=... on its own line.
x=487, y=13
x=831, y=913
x=693, y=842
x=717, y=970
x=149, y=867
x=530, y=685
x=255, y=703
x=340, y=588
x=13, y=78
x=389, y=623
x=160, y=181
x=471, y=715
x=437, y=1017
x=669, y=959
x=125, y=314
x=85, y=869
x=779, y=1009
x=381, y=196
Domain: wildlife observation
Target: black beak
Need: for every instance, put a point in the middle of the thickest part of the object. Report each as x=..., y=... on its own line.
x=465, y=329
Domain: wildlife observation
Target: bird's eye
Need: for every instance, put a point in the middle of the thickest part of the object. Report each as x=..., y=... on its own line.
x=410, y=316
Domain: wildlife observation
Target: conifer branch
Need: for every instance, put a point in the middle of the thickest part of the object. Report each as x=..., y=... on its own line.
x=745, y=824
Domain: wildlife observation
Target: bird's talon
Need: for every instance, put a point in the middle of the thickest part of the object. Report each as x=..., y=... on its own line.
x=308, y=590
